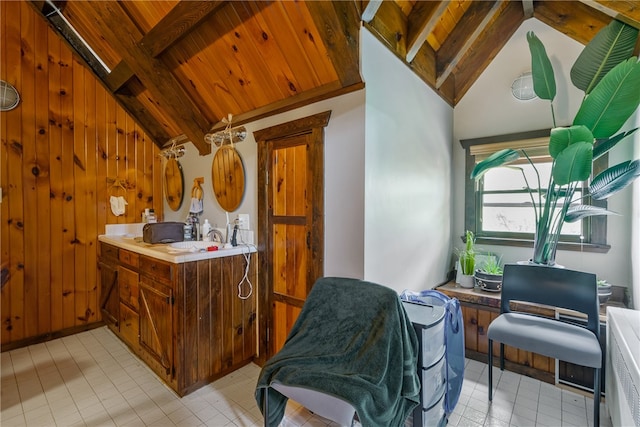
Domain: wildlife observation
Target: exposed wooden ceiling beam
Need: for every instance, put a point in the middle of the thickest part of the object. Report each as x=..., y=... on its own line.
x=487, y=45
x=184, y=17
x=625, y=11
x=339, y=26
x=575, y=19
x=474, y=21
x=178, y=23
x=423, y=18
x=327, y=91
x=118, y=30
x=370, y=10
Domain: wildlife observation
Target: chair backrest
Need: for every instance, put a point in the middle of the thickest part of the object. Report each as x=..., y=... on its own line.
x=553, y=286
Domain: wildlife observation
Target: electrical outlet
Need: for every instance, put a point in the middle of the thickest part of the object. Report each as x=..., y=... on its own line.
x=243, y=221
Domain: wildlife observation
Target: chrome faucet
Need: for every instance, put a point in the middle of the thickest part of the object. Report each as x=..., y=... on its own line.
x=217, y=235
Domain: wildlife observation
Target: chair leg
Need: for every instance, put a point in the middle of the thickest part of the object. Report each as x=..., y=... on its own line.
x=501, y=357
x=490, y=368
x=596, y=398
x=265, y=406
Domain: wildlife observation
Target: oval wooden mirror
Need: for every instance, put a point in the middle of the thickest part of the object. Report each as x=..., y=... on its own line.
x=227, y=176
x=173, y=184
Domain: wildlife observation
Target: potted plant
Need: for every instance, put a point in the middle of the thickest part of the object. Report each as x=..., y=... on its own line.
x=610, y=79
x=489, y=276
x=604, y=291
x=467, y=260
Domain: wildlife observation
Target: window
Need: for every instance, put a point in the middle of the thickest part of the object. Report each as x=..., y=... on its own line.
x=499, y=209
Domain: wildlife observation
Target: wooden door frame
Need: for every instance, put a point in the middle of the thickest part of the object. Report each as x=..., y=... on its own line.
x=312, y=125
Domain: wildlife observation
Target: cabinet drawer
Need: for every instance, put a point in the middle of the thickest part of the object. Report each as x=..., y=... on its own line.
x=108, y=251
x=127, y=257
x=128, y=284
x=433, y=383
x=159, y=270
x=129, y=325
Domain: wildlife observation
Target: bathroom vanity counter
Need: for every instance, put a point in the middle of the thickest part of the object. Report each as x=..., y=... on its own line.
x=165, y=252
x=191, y=317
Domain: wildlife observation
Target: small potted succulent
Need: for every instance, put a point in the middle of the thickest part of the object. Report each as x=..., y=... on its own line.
x=489, y=276
x=467, y=260
x=604, y=291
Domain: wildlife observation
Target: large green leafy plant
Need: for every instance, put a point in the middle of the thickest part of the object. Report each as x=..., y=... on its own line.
x=610, y=79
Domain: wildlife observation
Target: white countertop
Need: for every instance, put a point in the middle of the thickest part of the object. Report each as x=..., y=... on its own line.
x=166, y=253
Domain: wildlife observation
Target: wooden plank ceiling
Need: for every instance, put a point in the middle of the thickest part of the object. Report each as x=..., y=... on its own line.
x=179, y=67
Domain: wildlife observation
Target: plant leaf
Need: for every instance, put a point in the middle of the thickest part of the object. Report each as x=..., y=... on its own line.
x=562, y=137
x=613, y=101
x=612, y=45
x=573, y=163
x=544, y=82
x=499, y=158
x=614, y=179
x=577, y=212
x=603, y=146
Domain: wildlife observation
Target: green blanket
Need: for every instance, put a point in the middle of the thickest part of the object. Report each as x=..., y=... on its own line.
x=352, y=340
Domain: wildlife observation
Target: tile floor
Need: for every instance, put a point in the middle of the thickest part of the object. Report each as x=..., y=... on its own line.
x=91, y=379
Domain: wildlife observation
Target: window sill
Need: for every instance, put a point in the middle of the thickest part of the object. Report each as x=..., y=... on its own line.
x=524, y=243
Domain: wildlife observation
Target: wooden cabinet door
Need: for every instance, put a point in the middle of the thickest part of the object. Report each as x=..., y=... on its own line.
x=156, y=322
x=109, y=294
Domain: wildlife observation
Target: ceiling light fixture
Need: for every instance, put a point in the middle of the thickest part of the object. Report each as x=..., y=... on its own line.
x=522, y=87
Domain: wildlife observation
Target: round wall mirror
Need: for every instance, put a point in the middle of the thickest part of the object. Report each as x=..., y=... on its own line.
x=227, y=176
x=173, y=184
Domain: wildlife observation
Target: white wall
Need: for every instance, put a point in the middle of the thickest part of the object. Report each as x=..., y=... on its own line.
x=489, y=109
x=408, y=174
x=344, y=181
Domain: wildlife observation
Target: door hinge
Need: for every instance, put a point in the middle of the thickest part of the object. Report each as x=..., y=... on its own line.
x=267, y=177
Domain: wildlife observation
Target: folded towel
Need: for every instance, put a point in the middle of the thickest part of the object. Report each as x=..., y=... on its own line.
x=196, y=205
x=352, y=340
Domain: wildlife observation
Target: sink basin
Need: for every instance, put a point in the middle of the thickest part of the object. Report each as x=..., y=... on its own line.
x=194, y=245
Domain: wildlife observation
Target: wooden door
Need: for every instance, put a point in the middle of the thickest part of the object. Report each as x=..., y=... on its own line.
x=109, y=295
x=291, y=223
x=156, y=322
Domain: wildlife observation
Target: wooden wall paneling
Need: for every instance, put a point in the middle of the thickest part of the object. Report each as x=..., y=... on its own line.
x=58, y=147
x=157, y=173
x=139, y=169
x=40, y=170
x=112, y=153
x=133, y=211
x=68, y=194
x=55, y=181
x=9, y=153
x=29, y=194
x=80, y=189
x=91, y=216
x=121, y=160
x=101, y=160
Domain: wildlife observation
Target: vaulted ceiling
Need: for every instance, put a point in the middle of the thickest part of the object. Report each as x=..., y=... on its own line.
x=180, y=67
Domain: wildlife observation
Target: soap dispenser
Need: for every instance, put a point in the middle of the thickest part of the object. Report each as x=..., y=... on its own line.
x=206, y=231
